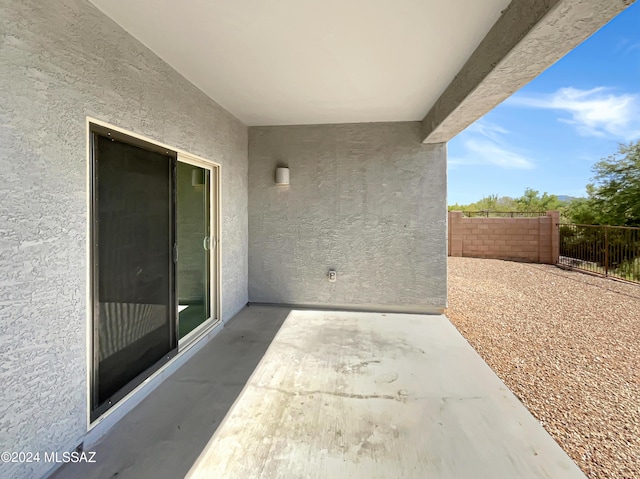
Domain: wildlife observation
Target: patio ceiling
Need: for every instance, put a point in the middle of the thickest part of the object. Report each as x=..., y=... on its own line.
x=288, y=62
x=317, y=61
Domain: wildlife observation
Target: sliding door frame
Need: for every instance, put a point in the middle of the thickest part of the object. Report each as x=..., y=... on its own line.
x=98, y=408
x=95, y=126
x=214, y=255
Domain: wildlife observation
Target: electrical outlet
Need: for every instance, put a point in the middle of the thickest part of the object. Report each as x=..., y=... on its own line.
x=332, y=276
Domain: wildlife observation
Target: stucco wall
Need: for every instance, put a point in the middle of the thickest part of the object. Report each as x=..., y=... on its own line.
x=368, y=200
x=59, y=62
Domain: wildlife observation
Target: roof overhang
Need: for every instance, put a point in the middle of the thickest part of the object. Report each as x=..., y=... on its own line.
x=444, y=63
x=530, y=36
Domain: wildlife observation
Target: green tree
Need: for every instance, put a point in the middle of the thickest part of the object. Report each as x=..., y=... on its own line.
x=487, y=203
x=583, y=211
x=490, y=203
x=531, y=201
x=615, y=196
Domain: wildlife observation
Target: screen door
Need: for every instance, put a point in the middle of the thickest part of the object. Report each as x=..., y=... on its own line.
x=133, y=264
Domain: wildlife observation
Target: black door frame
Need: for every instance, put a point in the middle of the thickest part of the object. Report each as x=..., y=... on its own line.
x=95, y=130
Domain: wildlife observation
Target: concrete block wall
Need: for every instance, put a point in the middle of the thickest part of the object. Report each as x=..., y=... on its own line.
x=531, y=240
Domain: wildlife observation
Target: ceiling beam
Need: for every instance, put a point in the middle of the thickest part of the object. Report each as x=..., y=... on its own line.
x=529, y=36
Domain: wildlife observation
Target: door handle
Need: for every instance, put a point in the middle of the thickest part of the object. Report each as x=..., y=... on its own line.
x=209, y=242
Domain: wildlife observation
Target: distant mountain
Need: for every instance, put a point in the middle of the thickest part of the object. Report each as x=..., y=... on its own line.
x=567, y=198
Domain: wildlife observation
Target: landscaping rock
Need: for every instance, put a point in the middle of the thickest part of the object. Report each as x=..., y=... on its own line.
x=567, y=344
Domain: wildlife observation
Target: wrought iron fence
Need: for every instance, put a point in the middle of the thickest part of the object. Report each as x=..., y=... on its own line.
x=503, y=214
x=606, y=250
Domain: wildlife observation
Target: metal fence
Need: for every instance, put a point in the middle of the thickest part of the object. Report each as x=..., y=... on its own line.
x=606, y=250
x=503, y=214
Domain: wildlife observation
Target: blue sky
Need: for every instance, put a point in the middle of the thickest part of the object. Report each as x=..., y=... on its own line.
x=548, y=135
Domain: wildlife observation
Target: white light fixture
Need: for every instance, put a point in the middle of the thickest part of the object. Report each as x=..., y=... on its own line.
x=197, y=178
x=282, y=176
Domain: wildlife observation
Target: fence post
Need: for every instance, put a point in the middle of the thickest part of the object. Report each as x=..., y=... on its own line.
x=606, y=251
x=555, y=236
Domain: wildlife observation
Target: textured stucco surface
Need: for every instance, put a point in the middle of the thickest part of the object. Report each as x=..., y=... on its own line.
x=61, y=61
x=368, y=200
x=529, y=37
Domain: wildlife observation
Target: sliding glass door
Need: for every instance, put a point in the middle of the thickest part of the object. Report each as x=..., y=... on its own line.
x=153, y=262
x=134, y=271
x=195, y=245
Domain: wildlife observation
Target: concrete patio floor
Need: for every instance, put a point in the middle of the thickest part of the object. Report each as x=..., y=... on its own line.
x=337, y=395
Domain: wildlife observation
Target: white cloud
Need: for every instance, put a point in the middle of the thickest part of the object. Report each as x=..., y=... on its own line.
x=491, y=152
x=595, y=112
x=490, y=130
x=626, y=46
x=631, y=48
x=484, y=144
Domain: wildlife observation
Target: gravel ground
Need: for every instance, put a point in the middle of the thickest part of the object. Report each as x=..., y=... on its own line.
x=567, y=344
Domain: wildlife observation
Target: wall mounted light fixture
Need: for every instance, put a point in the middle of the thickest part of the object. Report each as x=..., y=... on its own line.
x=282, y=176
x=197, y=177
